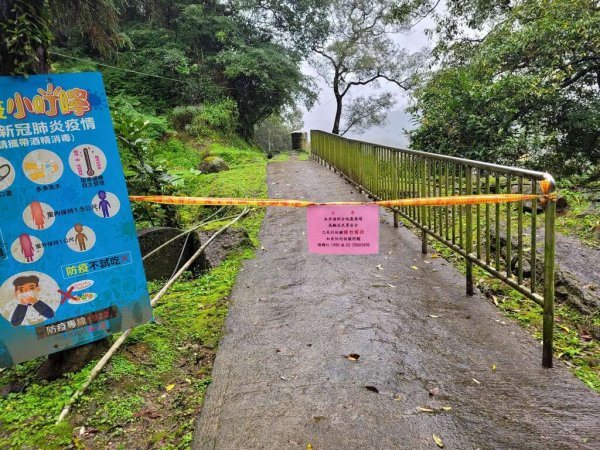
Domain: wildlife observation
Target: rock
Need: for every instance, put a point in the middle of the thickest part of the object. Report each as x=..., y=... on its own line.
x=71, y=360
x=168, y=260
x=562, y=206
x=569, y=289
x=212, y=164
x=228, y=241
x=596, y=232
x=590, y=211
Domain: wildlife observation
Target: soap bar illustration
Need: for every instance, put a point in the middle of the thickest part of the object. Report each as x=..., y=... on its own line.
x=43, y=167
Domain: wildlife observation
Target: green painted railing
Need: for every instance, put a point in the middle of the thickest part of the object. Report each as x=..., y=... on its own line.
x=506, y=240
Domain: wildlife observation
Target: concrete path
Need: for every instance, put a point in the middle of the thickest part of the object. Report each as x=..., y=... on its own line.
x=281, y=380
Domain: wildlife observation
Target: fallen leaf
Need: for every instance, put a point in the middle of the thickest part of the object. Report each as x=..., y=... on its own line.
x=434, y=317
x=425, y=410
x=379, y=267
x=434, y=391
x=427, y=262
x=391, y=285
x=309, y=446
x=493, y=366
x=414, y=267
x=434, y=270
x=397, y=397
x=567, y=329
x=170, y=387
x=438, y=441
x=353, y=356
x=372, y=389
x=435, y=255
x=446, y=408
x=476, y=381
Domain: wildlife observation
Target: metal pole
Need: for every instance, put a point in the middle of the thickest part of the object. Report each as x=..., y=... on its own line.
x=469, y=230
x=549, y=252
x=423, y=208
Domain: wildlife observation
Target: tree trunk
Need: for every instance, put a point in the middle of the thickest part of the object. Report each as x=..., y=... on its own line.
x=338, y=115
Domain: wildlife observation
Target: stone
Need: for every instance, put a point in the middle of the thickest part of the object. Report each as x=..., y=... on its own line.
x=71, y=360
x=168, y=260
x=212, y=164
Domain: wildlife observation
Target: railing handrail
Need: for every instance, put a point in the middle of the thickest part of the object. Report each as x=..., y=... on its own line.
x=512, y=170
x=385, y=172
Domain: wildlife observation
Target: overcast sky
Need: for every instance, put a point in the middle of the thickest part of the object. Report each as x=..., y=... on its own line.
x=321, y=116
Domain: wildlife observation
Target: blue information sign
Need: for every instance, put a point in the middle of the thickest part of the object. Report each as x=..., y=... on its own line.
x=70, y=264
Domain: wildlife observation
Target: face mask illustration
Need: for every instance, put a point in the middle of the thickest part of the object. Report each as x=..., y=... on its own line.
x=4, y=172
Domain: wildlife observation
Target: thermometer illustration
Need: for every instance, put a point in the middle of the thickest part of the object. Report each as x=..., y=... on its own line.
x=88, y=162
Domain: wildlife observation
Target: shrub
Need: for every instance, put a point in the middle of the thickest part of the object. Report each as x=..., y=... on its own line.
x=182, y=116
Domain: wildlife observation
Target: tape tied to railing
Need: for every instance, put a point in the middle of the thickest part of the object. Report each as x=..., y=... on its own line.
x=456, y=200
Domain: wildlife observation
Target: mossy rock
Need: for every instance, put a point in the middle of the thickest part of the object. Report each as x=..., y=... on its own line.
x=212, y=164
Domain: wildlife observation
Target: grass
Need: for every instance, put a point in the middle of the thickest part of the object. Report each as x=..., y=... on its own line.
x=152, y=390
x=579, y=220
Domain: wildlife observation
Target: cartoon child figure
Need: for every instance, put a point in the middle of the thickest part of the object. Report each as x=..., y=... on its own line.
x=80, y=237
x=26, y=247
x=103, y=204
x=27, y=292
x=37, y=214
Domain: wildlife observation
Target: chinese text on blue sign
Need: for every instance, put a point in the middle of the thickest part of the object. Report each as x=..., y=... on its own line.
x=70, y=264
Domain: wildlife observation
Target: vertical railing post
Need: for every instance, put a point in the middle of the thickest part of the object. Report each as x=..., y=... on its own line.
x=423, y=208
x=549, y=252
x=469, y=231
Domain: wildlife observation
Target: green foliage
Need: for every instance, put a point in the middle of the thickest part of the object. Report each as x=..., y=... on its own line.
x=144, y=174
x=525, y=92
x=221, y=117
x=274, y=134
x=182, y=116
x=26, y=36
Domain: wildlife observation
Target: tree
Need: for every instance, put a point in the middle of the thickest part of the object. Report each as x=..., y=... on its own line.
x=25, y=37
x=361, y=52
x=524, y=90
x=29, y=27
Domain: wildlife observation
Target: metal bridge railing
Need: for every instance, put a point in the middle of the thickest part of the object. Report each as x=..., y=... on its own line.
x=506, y=240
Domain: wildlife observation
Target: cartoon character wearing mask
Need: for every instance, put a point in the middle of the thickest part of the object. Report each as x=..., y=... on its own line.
x=27, y=292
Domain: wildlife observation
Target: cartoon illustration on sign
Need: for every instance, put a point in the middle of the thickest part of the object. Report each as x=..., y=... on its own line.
x=29, y=298
x=81, y=238
x=87, y=161
x=106, y=204
x=7, y=174
x=27, y=249
x=38, y=216
x=65, y=220
x=43, y=167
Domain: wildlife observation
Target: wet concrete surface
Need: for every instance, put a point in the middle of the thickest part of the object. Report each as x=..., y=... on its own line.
x=281, y=380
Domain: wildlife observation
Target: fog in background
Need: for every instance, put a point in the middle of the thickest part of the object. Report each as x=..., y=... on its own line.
x=321, y=116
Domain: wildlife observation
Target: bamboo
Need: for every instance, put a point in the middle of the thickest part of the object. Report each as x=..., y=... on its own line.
x=104, y=360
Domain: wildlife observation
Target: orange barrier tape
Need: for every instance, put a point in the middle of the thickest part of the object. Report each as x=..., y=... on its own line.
x=424, y=201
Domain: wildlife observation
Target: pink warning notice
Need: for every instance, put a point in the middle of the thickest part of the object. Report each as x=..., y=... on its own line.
x=343, y=229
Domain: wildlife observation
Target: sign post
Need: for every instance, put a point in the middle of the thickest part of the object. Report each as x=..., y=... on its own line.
x=70, y=265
